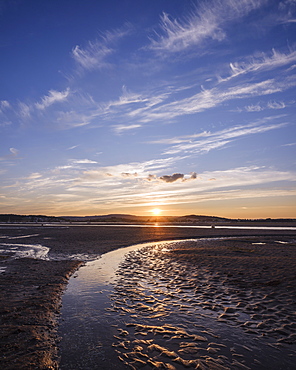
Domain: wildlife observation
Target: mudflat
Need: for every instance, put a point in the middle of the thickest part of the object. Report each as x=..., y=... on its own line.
x=209, y=304
x=31, y=289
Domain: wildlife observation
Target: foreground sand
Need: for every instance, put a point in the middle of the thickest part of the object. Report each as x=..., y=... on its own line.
x=209, y=304
x=31, y=289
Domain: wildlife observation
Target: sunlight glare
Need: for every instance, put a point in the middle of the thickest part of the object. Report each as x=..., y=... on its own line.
x=156, y=211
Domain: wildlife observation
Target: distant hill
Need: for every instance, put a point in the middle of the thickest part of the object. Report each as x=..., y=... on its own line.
x=28, y=218
x=133, y=219
x=198, y=218
x=141, y=219
x=100, y=217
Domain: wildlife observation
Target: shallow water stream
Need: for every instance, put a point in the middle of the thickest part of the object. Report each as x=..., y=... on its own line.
x=86, y=331
x=136, y=308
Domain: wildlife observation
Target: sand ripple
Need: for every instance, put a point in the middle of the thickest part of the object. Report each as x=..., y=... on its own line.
x=223, y=304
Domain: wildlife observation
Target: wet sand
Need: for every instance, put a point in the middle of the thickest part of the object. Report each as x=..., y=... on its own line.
x=209, y=304
x=29, y=305
x=31, y=289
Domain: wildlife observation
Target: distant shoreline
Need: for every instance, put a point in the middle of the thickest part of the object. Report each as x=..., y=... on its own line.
x=231, y=224
x=132, y=219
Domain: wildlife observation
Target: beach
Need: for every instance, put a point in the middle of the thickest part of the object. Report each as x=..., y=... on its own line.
x=209, y=304
x=257, y=263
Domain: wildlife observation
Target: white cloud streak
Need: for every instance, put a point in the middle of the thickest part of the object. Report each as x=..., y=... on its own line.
x=218, y=139
x=141, y=169
x=91, y=57
x=95, y=54
x=4, y=104
x=12, y=156
x=206, y=21
x=260, y=107
x=52, y=98
x=119, y=129
x=84, y=161
x=165, y=105
x=73, y=147
x=24, y=110
x=260, y=62
x=207, y=99
x=276, y=105
x=162, y=103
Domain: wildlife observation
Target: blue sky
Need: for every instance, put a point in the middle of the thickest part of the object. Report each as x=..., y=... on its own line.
x=123, y=106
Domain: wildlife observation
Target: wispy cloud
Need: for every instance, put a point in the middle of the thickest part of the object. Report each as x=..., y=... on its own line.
x=129, y=101
x=259, y=62
x=288, y=9
x=141, y=169
x=12, y=156
x=254, y=108
x=52, y=98
x=134, y=109
x=290, y=144
x=118, y=33
x=5, y=123
x=119, y=129
x=84, y=161
x=206, y=21
x=218, y=139
x=263, y=106
x=165, y=105
x=24, y=110
x=154, y=105
x=164, y=102
x=210, y=98
x=94, y=54
x=14, y=152
x=276, y=105
x=34, y=176
x=180, y=139
x=4, y=104
x=84, y=110
x=74, y=118
x=73, y=147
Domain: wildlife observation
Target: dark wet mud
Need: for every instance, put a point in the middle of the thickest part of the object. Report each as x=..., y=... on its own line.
x=223, y=304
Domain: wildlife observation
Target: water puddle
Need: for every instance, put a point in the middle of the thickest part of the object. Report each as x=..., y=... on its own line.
x=139, y=308
x=14, y=250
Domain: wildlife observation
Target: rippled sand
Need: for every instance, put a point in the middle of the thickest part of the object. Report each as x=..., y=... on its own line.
x=223, y=304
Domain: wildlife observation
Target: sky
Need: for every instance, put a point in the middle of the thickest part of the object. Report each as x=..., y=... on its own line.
x=126, y=106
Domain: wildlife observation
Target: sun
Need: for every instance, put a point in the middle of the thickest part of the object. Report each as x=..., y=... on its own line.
x=156, y=211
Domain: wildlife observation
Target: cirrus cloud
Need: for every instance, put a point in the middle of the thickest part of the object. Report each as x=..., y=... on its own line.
x=53, y=97
x=207, y=21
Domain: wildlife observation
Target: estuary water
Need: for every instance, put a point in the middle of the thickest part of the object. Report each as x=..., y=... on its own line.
x=137, y=308
x=86, y=328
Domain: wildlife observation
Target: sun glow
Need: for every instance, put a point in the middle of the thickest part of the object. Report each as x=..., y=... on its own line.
x=156, y=211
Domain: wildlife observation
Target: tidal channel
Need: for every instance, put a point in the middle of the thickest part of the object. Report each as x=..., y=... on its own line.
x=138, y=308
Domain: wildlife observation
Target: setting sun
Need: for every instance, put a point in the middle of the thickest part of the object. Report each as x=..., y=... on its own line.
x=156, y=211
